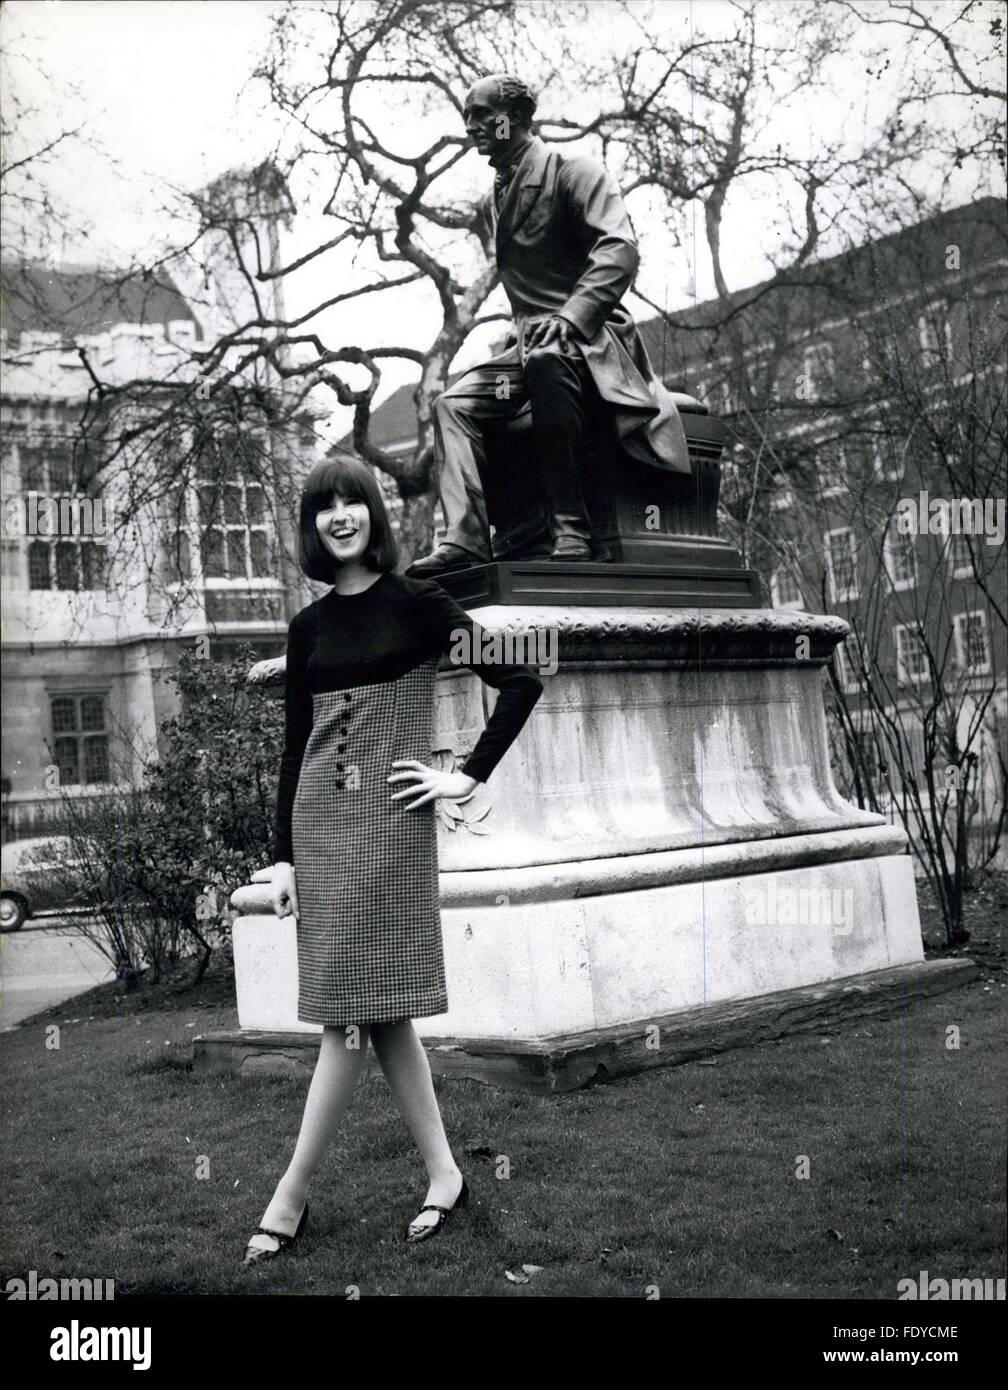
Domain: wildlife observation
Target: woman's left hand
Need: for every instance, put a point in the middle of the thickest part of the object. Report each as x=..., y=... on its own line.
x=429, y=782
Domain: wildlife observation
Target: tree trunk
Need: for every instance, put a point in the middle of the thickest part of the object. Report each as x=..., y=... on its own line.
x=416, y=528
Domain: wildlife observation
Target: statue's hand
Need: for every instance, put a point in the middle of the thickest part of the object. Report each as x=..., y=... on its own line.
x=552, y=330
x=264, y=671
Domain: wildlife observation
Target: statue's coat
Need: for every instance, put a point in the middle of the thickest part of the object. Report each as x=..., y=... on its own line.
x=564, y=245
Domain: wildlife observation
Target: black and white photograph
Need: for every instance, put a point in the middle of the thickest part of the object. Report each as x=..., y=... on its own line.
x=505, y=673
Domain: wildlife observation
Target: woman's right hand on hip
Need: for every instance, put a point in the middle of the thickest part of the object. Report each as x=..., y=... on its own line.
x=283, y=891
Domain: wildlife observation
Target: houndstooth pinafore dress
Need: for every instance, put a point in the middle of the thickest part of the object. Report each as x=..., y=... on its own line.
x=366, y=868
x=369, y=935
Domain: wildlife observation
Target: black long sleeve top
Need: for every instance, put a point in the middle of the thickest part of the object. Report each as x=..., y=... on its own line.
x=344, y=640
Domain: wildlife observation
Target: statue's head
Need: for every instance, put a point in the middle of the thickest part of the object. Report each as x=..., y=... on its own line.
x=497, y=110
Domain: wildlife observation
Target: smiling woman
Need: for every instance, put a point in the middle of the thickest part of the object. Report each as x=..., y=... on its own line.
x=344, y=530
x=356, y=846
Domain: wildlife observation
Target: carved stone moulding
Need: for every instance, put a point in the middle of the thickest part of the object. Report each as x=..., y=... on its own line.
x=679, y=637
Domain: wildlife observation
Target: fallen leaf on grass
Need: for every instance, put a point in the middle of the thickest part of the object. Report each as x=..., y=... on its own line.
x=834, y=1235
x=533, y=1269
x=516, y=1278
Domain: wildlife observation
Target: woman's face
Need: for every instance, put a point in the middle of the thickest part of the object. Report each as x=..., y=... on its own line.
x=344, y=529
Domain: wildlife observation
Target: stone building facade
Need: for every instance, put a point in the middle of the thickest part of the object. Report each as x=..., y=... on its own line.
x=92, y=623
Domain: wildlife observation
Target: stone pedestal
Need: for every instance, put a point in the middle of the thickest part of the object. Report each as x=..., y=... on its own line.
x=664, y=838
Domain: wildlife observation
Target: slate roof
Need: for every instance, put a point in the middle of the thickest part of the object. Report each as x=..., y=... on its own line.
x=75, y=303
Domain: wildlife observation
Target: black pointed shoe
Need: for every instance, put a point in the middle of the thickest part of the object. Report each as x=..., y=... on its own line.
x=254, y=1253
x=425, y=1232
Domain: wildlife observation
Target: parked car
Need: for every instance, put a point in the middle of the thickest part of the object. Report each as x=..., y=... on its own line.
x=36, y=875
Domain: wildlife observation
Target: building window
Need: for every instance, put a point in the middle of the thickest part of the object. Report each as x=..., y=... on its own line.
x=888, y=462
x=48, y=468
x=865, y=754
x=39, y=566
x=785, y=591
x=972, y=647
x=841, y=564
x=716, y=395
x=68, y=562
x=911, y=656
x=900, y=560
x=10, y=564
x=819, y=371
x=833, y=476
x=782, y=499
x=934, y=334
x=234, y=532
x=849, y=668
x=80, y=738
x=958, y=556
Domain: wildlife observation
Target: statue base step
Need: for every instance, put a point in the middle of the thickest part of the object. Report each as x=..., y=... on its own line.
x=559, y=949
x=714, y=584
x=563, y=1063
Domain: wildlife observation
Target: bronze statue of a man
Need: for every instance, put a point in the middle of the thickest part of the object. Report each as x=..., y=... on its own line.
x=566, y=254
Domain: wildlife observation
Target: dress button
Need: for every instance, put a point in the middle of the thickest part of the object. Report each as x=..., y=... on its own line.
x=340, y=747
x=346, y=694
x=339, y=767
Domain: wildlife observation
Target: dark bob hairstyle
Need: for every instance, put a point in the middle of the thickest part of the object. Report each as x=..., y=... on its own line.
x=354, y=482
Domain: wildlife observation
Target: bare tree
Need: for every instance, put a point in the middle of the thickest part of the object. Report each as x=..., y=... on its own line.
x=967, y=45
x=351, y=84
x=42, y=122
x=369, y=97
x=799, y=423
x=915, y=404
x=370, y=148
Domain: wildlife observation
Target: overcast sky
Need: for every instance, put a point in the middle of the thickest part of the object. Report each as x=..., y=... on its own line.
x=161, y=89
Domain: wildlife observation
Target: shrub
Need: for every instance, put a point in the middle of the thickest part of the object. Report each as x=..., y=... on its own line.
x=159, y=862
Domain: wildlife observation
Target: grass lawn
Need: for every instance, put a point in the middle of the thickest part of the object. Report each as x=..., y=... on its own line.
x=684, y=1178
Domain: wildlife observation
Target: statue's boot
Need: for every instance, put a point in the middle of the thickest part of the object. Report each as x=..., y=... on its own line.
x=527, y=542
x=442, y=560
x=569, y=526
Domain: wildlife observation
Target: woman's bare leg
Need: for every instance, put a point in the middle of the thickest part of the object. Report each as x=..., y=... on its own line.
x=336, y=1074
x=403, y=1060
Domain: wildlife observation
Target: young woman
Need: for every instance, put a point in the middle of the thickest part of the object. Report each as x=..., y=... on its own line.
x=356, y=849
